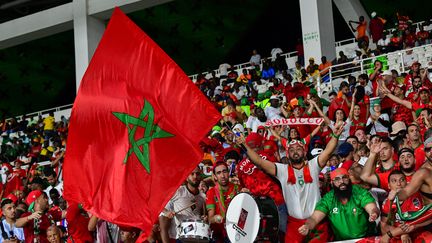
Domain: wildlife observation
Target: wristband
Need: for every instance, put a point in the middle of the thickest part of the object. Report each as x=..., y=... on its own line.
x=389, y=234
x=334, y=135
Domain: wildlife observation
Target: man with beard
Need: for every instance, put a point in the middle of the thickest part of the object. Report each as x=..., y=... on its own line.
x=422, y=182
x=37, y=220
x=300, y=183
x=186, y=204
x=380, y=179
x=257, y=119
x=9, y=232
x=273, y=111
x=218, y=199
x=345, y=206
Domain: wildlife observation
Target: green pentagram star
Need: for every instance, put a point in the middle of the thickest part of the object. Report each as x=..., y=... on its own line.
x=151, y=131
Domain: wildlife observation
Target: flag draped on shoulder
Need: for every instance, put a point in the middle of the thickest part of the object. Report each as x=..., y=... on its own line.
x=134, y=130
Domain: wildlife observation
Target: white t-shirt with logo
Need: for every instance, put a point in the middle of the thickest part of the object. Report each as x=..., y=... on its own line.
x=182, y=199
x=301, y=197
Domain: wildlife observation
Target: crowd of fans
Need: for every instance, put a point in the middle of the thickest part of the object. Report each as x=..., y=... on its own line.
x=364, y=171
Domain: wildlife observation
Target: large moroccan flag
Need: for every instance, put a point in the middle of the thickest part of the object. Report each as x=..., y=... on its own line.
x=134, y=130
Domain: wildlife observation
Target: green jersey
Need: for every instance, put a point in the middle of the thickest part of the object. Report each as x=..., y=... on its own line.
x=351, y=220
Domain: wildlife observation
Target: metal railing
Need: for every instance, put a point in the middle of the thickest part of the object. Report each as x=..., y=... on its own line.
x=288, y=55
x=396, y=60
x=335, y=71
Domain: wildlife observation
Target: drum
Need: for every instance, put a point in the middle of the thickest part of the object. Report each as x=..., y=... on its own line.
x=194, y=231
x=250, y=219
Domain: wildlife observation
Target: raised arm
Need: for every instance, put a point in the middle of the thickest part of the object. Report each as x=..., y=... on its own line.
x=396, y=99
x=265, y=165
x=321, y=113
x=353, y=102
x=368, y=175
x=331, y=146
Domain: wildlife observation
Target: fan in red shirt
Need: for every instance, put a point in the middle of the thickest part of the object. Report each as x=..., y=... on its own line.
x=390, y=220
x=409, y=39
x=359, y=110
x=258, y=182
x=301, y=129
x=12, y=180
x=385, y=152
x=37, y=220
x=218, y=199
x=341, y=102
x=400, y=112
x=414, y=72
x=422, y=35
x=424, y=100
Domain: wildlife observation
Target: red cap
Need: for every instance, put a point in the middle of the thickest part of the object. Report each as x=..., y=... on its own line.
x=12, y=197
x=32, y=196
x=338, y=172
x=254, y=140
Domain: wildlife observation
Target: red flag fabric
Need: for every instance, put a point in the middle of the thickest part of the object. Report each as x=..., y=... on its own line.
x=134, y=130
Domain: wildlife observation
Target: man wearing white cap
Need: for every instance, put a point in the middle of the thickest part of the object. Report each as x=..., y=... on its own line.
x=273, y=111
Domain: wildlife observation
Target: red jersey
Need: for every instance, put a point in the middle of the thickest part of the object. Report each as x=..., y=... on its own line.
x=380, y=169
x=420, y=156
x=363, y=107
x=258, y=182
x=214, y=200
x=356, y=125
x=412, y=204
x=401, y=113
x=410, y=40
x=14, y=182
x=419, y=105
x=43, y=224
x=219, y=202
x=338, y=103
x=422, y=35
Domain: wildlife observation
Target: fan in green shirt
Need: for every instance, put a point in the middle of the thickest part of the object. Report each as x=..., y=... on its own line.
x=350, y=209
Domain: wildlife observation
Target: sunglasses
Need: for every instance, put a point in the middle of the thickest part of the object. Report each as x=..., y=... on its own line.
x=427, y=149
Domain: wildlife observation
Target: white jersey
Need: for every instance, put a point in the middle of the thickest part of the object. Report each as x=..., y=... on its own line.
x=301, y=197
x=183, y=198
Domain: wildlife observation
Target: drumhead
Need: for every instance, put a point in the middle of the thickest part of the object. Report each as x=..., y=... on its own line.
x=242, y=219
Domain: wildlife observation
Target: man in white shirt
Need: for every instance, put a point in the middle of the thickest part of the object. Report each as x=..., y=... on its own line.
x=274, y=53
x=255, y=59
x=273, y=111
x=300, y=183
x=10, y=233
x=188, y=203
x=223, y=70
x=51, y=177
x=255, y=120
